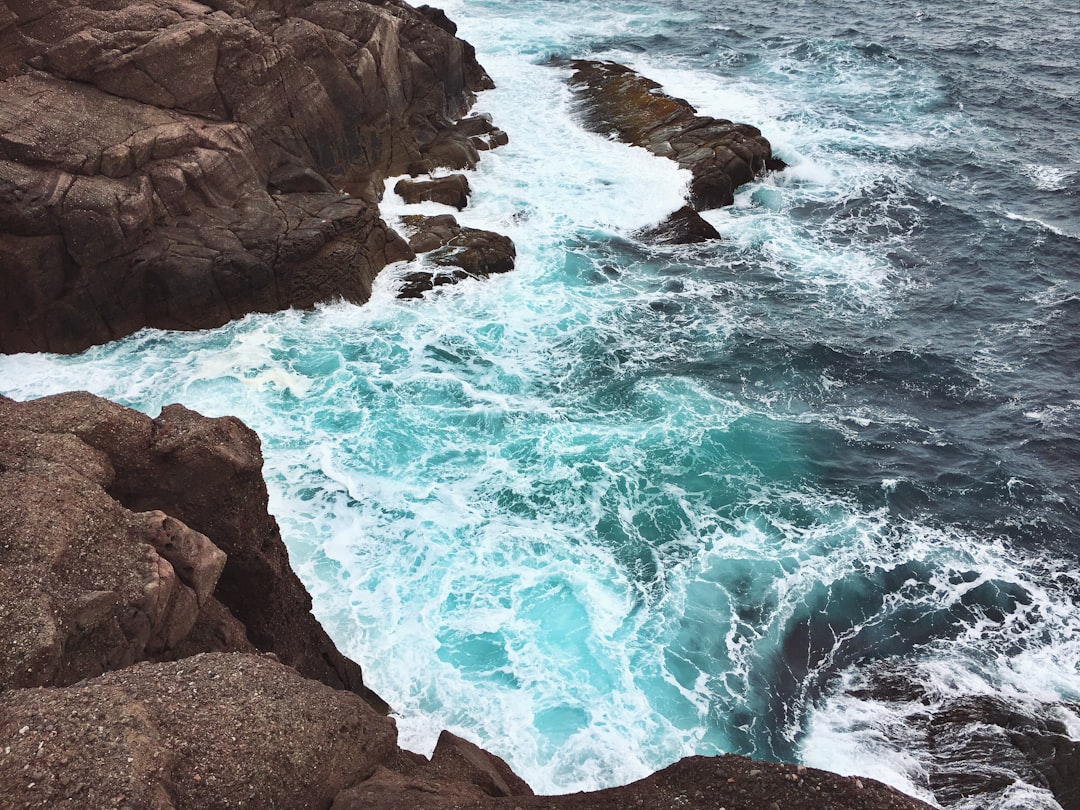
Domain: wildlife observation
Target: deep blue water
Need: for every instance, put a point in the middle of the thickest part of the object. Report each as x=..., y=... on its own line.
x=630, y=503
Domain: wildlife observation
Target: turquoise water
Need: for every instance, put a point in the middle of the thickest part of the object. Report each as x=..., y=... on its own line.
x=627, y=503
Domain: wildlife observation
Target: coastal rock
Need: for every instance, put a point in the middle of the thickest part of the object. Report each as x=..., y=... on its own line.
x=178, y=165
x=215, y=730
x=719, y=154
x=458, y=773
x=87, y=585
x=456, y=253
x=684, y=227
x=115, y=533
x=453, y=190
x=695, y=783
x=980, y=745
x=983, y=745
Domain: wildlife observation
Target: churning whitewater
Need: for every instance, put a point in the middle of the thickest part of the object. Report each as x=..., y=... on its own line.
x=778, y=495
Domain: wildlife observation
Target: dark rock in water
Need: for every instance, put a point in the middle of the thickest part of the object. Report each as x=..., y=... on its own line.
x=478, y=253
x=450, y=190
x=684, y=227
x=458, y=146
x=458, y=253
x=179, y=164
x=719, y=154
x=428, y=233
x=981, y=745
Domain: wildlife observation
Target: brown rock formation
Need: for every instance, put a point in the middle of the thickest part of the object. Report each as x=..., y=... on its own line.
x=453, y=254
x=720, y=155
x=179, y=164
x=114, y=532
x=216, y=730
x=453, y=190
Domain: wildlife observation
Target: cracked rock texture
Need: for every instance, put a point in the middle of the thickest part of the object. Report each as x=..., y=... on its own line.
x=177, y=164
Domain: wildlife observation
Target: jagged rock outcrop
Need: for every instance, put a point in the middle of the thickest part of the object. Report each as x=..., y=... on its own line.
x=683, y=227
x=112, y=532
x=113, y=542
x=720, y=155
x=179, y=164
x=452, y=253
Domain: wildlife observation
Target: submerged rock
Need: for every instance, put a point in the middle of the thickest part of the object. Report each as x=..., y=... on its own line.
x=981, y=745
x=177, y=164
x=720, y=155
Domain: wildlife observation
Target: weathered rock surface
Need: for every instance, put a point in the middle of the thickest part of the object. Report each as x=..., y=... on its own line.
x=720, y=155
x=179, y=164
x=112, y=532
x=453, y=254
x=215, y=730
x=113, y=542
x=453, y=190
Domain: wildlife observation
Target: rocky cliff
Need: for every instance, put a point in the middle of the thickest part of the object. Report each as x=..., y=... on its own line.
x=177, y=164
x=157, y=651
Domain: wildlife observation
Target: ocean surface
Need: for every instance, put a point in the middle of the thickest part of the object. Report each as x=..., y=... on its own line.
x=630, y=503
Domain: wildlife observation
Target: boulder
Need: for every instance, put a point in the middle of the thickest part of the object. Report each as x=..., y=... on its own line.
x=719, y=154
x=453, y=190
x=683, y=227
x=180, y=164
x=453, y=254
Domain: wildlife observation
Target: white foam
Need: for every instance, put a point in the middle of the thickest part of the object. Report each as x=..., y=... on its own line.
x=1041, y=223
x=442, y=490
x=1048, y=178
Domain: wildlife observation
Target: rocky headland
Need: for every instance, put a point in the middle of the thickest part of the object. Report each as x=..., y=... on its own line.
x=178, y=164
